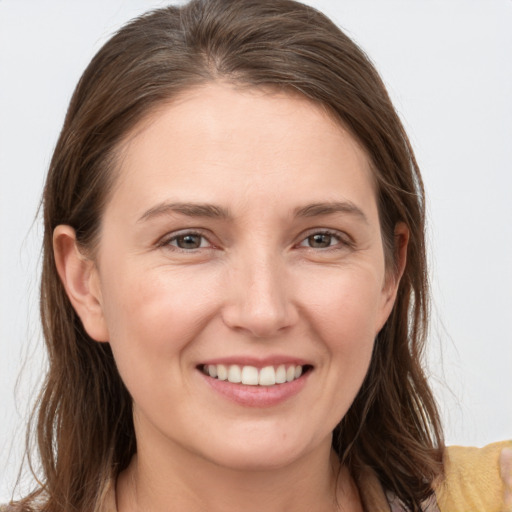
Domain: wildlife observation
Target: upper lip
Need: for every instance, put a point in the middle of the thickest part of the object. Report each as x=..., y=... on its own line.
x=258, y=362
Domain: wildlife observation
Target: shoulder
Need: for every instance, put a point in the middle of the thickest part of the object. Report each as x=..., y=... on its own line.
x=477, y=479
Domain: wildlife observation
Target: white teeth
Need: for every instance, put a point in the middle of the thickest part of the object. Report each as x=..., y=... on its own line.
x=267, y=376
x=281, y=374
x=252, y=376
x=222, y=372
x=234, y=374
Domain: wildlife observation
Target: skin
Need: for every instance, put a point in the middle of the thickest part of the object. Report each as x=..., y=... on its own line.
x=256, y=286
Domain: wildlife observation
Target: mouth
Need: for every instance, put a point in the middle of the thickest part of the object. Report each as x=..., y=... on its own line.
x=267, y=376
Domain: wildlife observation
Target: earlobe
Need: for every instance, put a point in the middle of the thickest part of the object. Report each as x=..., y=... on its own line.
x=81, y=282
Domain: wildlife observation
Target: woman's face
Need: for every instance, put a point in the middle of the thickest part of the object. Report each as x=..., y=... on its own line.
x=242, y=239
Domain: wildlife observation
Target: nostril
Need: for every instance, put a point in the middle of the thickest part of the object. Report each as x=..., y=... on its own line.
x=259, y=322
x=259, y=303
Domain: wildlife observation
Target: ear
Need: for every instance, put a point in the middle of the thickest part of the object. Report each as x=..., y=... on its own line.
x=80, y=278
x=395, y=272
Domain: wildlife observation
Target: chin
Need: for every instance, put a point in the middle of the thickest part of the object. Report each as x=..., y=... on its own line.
x=261, y=453
x=256, y=460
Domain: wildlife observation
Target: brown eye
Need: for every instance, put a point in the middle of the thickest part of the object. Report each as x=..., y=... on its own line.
x=188, y=241
x=321, y=240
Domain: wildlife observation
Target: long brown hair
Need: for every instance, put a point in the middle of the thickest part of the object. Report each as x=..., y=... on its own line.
x=85, y=432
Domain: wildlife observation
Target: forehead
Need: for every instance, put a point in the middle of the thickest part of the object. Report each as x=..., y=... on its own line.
x=226, y=143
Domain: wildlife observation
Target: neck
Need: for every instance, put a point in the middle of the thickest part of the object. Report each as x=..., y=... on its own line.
x=159, y=480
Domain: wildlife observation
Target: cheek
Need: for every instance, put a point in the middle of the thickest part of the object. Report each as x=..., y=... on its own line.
x=347, y=327
x=345, y=307
x=152, y=315
x=345, y=312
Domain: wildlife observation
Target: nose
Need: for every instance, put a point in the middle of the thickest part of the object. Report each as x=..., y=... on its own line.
x=260, y=297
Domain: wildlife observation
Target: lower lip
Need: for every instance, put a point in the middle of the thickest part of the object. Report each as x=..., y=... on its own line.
x=257, y=396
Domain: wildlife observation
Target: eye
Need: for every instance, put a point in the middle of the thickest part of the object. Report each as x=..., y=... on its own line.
x=322, y=240
x=188, y=241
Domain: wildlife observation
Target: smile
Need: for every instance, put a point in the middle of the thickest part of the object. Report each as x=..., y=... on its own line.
x=252, y=376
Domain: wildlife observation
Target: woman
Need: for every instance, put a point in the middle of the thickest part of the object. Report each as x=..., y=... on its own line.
x=234, y=293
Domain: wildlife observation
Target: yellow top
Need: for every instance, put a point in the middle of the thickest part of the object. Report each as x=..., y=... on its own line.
x=477, y=479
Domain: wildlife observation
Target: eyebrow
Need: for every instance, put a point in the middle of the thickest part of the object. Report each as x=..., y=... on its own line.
x=188, y=209
x=329, y=208
x=217, y=212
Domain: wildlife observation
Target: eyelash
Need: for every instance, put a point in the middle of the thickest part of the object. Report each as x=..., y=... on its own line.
x=167, y=241
x=342, y=241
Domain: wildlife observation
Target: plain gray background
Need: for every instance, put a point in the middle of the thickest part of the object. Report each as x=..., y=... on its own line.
x=448, y=67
